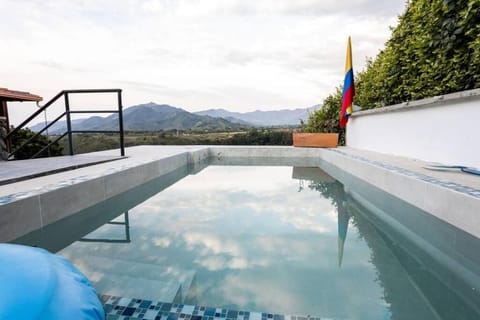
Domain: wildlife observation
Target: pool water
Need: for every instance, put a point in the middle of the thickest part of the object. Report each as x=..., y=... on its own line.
x=283, y=239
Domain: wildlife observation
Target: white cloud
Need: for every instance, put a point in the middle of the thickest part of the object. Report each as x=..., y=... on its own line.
x=212, y=244
x=242, y=55
x=163, y=242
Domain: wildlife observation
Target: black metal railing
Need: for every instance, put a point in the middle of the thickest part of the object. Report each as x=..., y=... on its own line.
x=67, y=115
x=124, y=223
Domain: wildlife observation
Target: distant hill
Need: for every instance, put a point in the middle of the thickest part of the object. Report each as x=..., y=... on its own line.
x=262, y=118
x=59, y=127
x=148, y=117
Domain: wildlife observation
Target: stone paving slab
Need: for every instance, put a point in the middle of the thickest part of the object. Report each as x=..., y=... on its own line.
x=134, y=156
x=450, y=196
x=417, y=166
x=18, y=170
x=35, y=168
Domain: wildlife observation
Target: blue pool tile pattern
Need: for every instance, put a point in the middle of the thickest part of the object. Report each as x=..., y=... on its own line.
x=118, y=308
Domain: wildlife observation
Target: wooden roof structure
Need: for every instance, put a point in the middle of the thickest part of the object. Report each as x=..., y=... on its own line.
x=7, y=95
x=13, y=95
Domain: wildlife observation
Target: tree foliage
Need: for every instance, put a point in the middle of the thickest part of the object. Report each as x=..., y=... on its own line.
x=434, y=50
x=83, y=143
x=326, y=118
x=261, y=137
x=34, y=146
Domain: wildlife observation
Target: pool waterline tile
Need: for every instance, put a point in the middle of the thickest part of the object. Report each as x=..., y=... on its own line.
x=409, y=173
x=121, y=308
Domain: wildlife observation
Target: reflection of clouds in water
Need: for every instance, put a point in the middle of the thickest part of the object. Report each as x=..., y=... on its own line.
x=245, y=196
x=221, y=252
x=232, y=178
x=250, y=241
x=286, y=248
x=163, y=242
x=212, y=243
x=216, y=263
x=212, y=263
x=288, y=272
x=236, y=181
x=328, y=292
x=216, y=252
x=241, y=291
x=303, y=222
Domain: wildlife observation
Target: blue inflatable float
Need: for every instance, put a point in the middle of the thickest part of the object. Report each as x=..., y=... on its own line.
x=35, y=284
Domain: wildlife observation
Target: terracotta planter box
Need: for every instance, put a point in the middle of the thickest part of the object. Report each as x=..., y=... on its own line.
x=318, y=140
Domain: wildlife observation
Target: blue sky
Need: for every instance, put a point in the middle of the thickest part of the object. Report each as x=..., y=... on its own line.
x=234, y=54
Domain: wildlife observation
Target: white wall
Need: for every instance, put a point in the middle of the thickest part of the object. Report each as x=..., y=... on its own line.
x=442, y=129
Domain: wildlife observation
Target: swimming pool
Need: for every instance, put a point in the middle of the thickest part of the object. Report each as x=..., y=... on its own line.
x=291, y=240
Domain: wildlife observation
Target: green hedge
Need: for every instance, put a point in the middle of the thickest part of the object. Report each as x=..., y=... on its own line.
x=434, y=50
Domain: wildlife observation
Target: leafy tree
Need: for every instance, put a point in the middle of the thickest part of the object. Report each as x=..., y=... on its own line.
x=434, y=50
x=261, y=137
x=326, y=119
x=34, y=146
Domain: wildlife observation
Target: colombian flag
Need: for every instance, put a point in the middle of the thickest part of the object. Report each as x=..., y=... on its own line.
x=348, y=88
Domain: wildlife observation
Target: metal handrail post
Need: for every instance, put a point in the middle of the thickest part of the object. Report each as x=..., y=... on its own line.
x=120, y=123
x=36, y=113
x=67, y=114
x=69, y=124
x=127, y=226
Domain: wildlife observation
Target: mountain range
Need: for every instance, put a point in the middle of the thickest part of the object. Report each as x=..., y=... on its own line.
x=262, y=118
x=156, y=117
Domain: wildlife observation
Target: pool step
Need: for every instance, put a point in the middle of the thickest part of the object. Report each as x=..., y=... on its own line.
x=95, y=267
x=147, y=289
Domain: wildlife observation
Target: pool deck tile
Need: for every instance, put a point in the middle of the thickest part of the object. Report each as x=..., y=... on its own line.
x=454, y=180
x=143, y=163
x=14, y=171
x=139, y=155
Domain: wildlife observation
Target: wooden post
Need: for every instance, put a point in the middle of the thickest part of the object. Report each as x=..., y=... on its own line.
x=3, y=109
x=5, y=145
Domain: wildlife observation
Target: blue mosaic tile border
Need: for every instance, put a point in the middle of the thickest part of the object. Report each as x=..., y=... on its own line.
x=118, y=308
x=443, y=183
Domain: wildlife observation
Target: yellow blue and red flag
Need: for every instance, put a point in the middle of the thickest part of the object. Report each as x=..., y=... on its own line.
x=348, y=88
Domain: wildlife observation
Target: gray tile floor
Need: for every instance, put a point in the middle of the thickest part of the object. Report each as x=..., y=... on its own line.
x=457, y=188
x=14, y=171
x=22, y=170
x=415, y=165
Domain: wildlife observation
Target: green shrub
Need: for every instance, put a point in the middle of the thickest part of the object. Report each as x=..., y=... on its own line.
x=34, y=146
x=434, y=50
x=326, y=119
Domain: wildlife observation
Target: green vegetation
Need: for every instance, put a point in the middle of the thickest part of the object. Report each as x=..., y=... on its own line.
x=326, y=119
x=33, y=146
x=261, y=137
x=434, y=50
x=83, y=143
